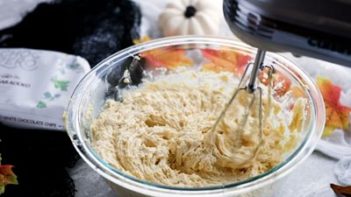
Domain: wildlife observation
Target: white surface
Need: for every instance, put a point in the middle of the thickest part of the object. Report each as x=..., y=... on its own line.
x=310, y=179
x=89, y=183
x=12, y=11
x=343, y=171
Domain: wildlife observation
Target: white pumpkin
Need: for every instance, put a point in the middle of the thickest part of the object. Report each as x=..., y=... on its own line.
x=185, y=17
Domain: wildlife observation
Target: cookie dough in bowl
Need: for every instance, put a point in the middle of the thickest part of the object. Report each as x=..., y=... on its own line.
x=161, y=132
x=143, y=120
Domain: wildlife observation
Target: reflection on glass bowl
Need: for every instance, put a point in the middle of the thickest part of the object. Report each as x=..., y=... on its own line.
x=109, y=78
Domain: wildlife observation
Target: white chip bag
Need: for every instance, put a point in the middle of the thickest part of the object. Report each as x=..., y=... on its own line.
x=36, y=85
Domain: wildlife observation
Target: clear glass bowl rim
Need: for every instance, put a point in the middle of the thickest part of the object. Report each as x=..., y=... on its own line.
x=131, y=183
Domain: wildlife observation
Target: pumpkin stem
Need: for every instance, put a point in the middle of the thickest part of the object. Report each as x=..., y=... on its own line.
x=190, y=11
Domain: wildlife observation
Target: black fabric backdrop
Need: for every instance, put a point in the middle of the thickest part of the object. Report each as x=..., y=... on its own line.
x=40, y=159
x=93, y=29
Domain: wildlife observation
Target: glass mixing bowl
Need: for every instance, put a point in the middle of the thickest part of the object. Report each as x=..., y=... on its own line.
x=98, y=85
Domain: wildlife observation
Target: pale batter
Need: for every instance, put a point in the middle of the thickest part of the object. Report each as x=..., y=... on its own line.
x=161, y=132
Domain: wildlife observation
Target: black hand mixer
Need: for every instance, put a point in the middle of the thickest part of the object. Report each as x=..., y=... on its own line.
x=316, y=28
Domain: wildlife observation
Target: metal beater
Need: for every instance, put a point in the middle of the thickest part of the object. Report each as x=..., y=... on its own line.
x=255, y=92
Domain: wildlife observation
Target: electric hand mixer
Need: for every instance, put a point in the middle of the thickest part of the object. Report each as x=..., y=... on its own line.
x=320, y=29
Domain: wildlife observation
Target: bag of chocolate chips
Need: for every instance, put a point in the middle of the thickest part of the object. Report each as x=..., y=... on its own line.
x=36, y=85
